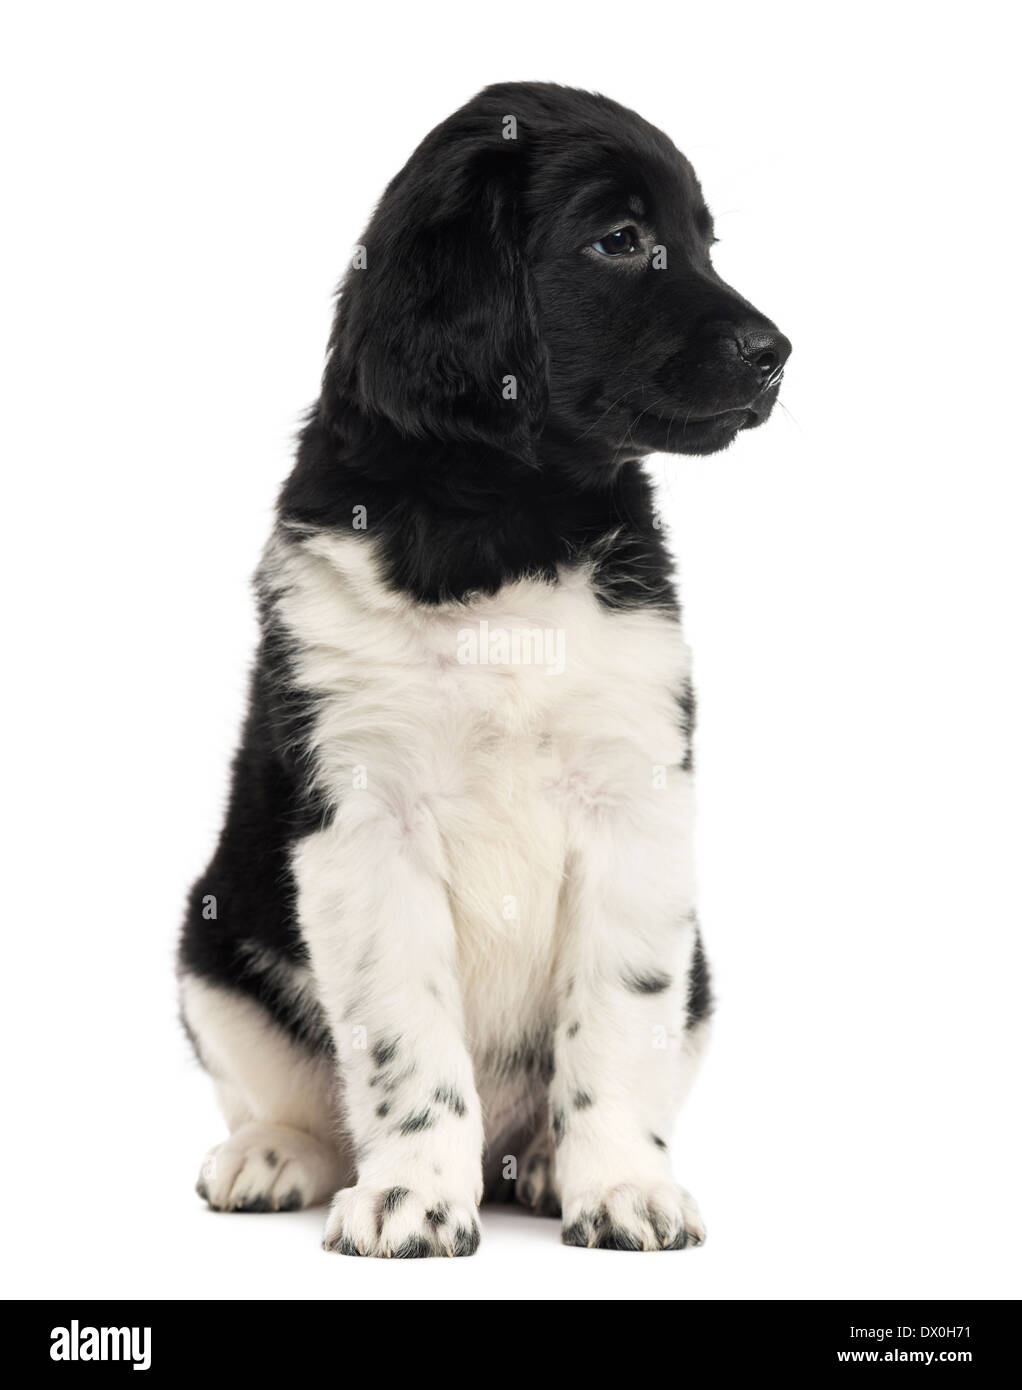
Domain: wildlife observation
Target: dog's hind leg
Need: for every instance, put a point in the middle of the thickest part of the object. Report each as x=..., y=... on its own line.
x=279, y=1101
x=536, y=1185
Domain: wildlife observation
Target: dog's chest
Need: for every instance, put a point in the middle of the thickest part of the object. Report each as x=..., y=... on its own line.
x=504, y=722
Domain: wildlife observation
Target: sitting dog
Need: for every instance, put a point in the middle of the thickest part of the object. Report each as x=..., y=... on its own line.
x=447, y=946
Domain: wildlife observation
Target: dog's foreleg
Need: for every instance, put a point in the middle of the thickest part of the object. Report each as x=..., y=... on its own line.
x=621, y=1045
x=374, y=911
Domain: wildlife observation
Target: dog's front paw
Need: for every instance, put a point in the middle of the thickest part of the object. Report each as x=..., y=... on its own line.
x=398, y=1222
x=634, y=1216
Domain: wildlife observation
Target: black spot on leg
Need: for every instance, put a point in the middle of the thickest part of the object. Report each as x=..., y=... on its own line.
x=423, y=1119
x=383, y=1109
x=652, y=982
x=687, y=709
x=582, y=1100
x=700, y=992
x=573, y=1029
x=437, y=1216
x=660, y=1143
x=447, y=1095
x=291, y=1201
x=384, y=1052
x=270, y=1157
x=557, y=1124
x=393, y=1198
x=388, y=1081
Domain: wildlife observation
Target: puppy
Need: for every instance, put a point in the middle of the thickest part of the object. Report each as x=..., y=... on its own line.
x=447, y=945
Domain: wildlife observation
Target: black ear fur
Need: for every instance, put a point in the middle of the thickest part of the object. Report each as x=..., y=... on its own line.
x=429, y=332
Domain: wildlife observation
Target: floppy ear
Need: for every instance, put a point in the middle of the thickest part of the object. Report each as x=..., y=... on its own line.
x=437, y=330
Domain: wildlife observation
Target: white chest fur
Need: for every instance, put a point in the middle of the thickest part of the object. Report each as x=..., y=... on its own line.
x=498, y=720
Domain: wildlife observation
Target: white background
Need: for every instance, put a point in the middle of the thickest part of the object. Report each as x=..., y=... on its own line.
x=182, y=186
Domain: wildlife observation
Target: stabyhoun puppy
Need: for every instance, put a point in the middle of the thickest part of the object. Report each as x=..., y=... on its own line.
x=447, y=944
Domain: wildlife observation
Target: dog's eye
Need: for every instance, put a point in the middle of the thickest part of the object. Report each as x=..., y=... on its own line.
x=620, y=243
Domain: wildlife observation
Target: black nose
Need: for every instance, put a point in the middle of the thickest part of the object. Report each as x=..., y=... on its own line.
x=766, y=350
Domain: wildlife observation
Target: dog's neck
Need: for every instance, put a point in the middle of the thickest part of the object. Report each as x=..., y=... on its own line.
x=451, y=519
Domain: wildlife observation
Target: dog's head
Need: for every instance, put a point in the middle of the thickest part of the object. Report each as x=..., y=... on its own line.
x=539, y=273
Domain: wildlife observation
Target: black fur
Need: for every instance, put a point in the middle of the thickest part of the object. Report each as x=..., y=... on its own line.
x=447, y=1095
x=651, y=983
x=700, y=993
x=384, y=1052
x=482, y=266
x=422, y=1119
x=557, y=1126
x=393, y=1198
x=687, y=706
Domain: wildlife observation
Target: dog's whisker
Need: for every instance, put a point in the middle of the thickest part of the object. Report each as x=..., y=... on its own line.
x=603, y=415
x=632, y=425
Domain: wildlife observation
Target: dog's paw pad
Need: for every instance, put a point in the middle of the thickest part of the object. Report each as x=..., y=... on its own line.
x=396, y=1222
x=264, y=1168
x=630, y=1216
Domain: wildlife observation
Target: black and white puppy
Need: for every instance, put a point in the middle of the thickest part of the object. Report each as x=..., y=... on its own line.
x=447, y=946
